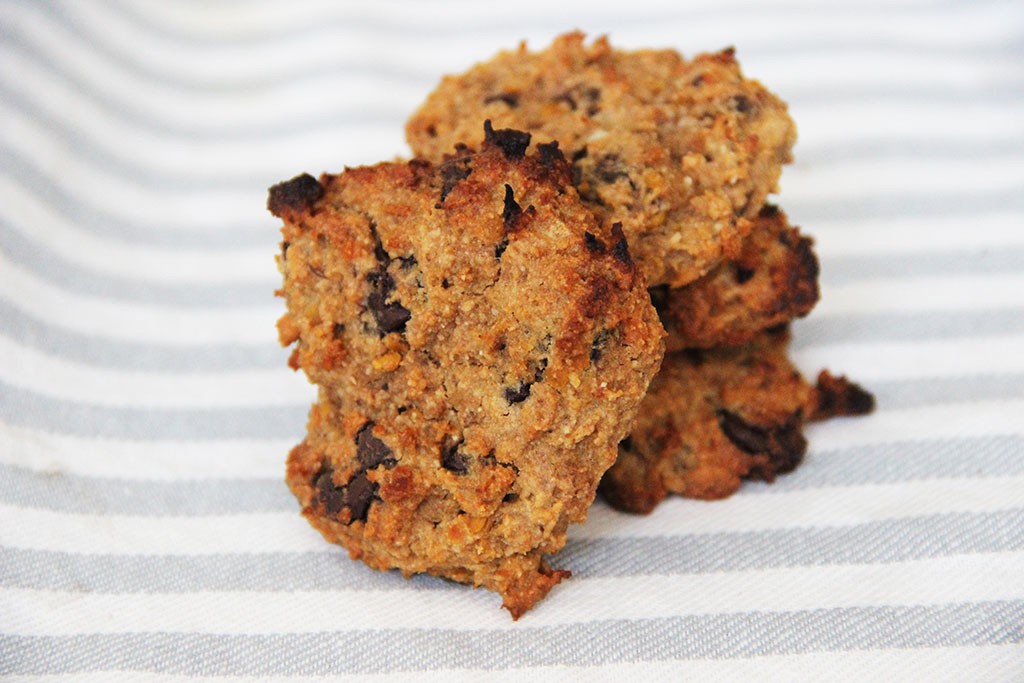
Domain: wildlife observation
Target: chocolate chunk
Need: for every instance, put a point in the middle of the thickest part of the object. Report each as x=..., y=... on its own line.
x=370, y=450
x=620, y=250
x=511, y=99
x=593, y=244
x=297, y=194
x=452, y=172
x=500, y=248
x=573, y=96
x=391, y=316
x=379, y=252
x=358, y=496
x=338, y=330
x=610, y=168
x=784, y=444
x=745, y=436
x=742, y=104
x=284, y=248
x=549, y=154
x=513, y=143
x=512, y=212
x=598, y=345
x=329, y=495
x=742, y=274
x=451, y=459
x=519, y=393
x=789, y=446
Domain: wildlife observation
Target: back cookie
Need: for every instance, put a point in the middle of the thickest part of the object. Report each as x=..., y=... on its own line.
x=682, y=153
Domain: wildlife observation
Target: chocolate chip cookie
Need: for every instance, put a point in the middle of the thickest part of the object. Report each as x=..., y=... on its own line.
x=681, y=153
x=481, y=344
x=773, y=281
x=715, y=417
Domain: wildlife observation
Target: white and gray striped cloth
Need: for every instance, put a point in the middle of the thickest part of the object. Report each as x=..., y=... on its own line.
x=146, y=409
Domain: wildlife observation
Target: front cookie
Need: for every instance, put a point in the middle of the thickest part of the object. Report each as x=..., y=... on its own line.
x=481, y=344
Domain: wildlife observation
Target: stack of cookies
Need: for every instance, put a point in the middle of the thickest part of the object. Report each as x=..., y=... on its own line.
x=486, y=322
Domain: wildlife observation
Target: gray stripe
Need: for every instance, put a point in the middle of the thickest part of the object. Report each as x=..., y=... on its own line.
x=896, y=462
x=125, y=355
x=888, y=541
x=820, y=328
x=902, y=461
x=913, y=393
x=63, y=492
x=589, y=644
x=54, y=268
x=841, y=270
x=27, y=409
x=97, y=220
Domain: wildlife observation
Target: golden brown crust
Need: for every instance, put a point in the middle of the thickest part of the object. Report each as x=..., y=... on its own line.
x=682, y=153
x=481, y=344
x=715, y=417
x=773, y=281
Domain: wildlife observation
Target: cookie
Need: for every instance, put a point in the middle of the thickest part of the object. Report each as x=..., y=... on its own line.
x=682, y=153
x=713, y=418
x=773, y=281
x=481, y=344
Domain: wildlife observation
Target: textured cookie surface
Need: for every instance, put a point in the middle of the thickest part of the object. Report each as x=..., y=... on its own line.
x=481, y=344
x=682, y=153
x=715, y=417
x=773, y=281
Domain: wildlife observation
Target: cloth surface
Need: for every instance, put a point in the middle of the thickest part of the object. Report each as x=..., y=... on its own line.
x=146, y=408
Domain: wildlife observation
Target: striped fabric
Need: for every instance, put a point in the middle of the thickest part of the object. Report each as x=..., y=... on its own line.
x=146, y=409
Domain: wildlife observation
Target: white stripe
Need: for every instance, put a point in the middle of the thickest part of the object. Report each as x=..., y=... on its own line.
x=950, y=420
x=991, y=228
x=164, y=325
x=853, y=180
x=288, y=532
x=928, y=293
x=57, y=454
x=66, y=380
x=824, y=123
x=869, y=361
x=971, y=578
